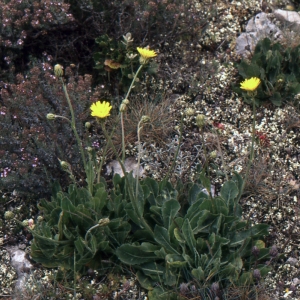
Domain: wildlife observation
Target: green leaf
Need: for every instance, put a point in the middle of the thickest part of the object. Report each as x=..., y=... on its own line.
x=198, y=274
x=144, y=281
x=169, y=211
x=178, y=235
x=175, y=261
x=170, y=278
x=162, y=237
x=205, y=182
x=194, y=192
x=134, y=255
x=257, y=231
x=276, y=99
x=229, y=191
x=99, y=200
x=153, y=268
x=79, y=244
x=189, y=236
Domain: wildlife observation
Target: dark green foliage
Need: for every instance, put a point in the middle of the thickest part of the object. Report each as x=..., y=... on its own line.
x=114, y=65
x=68, y=217
x=278, y=68
x=205, y=243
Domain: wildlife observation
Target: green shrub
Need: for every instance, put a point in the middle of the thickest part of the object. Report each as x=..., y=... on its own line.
x=278, y=68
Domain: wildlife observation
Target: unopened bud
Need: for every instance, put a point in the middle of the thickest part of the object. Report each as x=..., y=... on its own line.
x=145, y=119
x=89, y=149
x=39, y=219
x=123, y=105
x=200, y=120
x=103, y=222
x=213, y=154
x=189, y=111
x=65, y=166
x=51, y=116
x=25, y=223
x=87, y=125
x=8, y=215
x=58, y=70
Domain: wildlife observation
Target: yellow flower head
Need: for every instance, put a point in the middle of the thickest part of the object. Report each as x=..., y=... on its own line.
x=250, y=84
x=146, y=53
x=100, y=110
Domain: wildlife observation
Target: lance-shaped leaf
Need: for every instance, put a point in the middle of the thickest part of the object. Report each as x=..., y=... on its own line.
x=162, y=237
x=169, y=211
x=134, y=255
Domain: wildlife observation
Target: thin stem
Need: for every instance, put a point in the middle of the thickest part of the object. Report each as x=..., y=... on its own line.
x=123, y=137
x=131, y=194
x=74, y=274
x=251, y=150
x=103, y=156
x=122, y=120
x=222, y=156
x=73, y=126
x=133, y=81
x=139, y=159
x=177, y=150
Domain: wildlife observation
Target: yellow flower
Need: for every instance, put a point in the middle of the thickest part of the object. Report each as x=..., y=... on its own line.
x=250, y=84
x=100, y=110
x=146, y=53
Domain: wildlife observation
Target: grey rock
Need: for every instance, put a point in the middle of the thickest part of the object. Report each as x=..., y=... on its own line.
x=257, y=28
x=130, y=164
x=292, y=261
x=20, y=263
x=291, y=17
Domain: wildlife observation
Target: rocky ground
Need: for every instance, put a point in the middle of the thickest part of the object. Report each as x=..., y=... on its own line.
x=203, y=86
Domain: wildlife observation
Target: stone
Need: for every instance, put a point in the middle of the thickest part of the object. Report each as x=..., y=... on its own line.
x=258, y=27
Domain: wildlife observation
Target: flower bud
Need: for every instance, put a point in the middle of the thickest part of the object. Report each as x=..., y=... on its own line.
x=58, y=70
x=103, y=222
x=145, y=119
x=213, y=154
x=89, y=149
x=51, y=116
x=40, y=219
x=65, y=166
x=200, y=121
x=123, y=105
x=189, y=111
x=87, y=125
x=25, y=223
x=8, y=215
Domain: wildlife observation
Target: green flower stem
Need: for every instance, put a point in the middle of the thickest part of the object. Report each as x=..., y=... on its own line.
x=130, y=190
x=133, y=81
x=123, y=137
x=139, y=158
x=104, y=154
x=73, y=126
x=221, y=154
x=251, y=150
x=171, y=169
x=122, y=120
